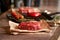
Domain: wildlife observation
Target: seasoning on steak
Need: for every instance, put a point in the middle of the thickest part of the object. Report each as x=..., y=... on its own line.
x=33, y=25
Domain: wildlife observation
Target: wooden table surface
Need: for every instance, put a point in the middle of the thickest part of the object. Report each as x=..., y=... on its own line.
x=41, y=36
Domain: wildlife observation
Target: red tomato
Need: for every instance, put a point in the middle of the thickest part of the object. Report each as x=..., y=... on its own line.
x=30, y=10
x=34, y=14
x=23, y=10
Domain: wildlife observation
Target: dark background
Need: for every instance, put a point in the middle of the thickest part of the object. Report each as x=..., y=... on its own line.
x=5, y=5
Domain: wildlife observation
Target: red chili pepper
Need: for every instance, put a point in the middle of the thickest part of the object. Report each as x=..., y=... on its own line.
x=16, y=14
